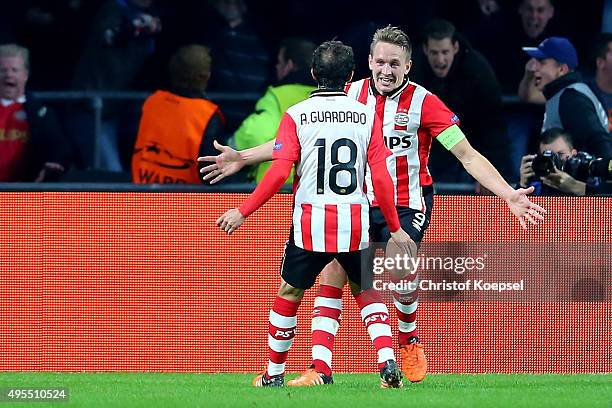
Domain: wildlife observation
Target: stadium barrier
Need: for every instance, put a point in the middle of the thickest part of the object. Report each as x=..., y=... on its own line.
x=97, y=102
x=133, y=281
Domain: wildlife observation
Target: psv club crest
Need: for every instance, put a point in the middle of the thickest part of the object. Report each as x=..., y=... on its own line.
x=401, y=119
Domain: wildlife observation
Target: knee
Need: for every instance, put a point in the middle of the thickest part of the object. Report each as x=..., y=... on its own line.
x=333, y=275
x=286, y=291
x=393, y=251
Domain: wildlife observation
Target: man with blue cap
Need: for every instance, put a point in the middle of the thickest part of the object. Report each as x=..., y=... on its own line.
x=570, y=104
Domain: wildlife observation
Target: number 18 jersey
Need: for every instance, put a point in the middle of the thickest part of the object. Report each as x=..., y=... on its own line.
x=330, y=137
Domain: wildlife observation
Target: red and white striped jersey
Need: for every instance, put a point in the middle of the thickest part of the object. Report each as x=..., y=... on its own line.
x=330, y=138
x=411, y=117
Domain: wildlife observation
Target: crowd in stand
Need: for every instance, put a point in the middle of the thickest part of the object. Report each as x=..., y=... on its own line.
x=470, y=54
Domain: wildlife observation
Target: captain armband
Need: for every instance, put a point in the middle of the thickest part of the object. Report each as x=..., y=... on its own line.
x=450, y=137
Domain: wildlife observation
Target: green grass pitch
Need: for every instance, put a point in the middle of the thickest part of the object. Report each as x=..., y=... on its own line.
x=349, y=390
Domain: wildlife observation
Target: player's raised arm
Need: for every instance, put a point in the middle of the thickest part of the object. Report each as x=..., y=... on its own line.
x=487, y=175
x=230, y=161
x=287, y=153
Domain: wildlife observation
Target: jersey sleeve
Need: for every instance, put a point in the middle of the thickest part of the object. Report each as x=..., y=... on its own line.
x=287, y=144
x=436, y=117
x=377, y=151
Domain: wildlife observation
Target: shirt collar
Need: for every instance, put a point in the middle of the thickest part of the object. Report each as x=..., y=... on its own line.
x=327, y=92
x=9, y=102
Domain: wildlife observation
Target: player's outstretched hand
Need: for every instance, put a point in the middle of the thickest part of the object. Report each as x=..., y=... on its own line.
x=225, y=164
x=522, y=208
x=230, y=221
x=402, y=240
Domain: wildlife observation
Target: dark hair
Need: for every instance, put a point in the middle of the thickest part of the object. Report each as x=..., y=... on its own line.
x=190, y=68
x=552, y=134
x=392, y=35
x=439, y=29
x=299, y=51
x=332, y=64
x=601, y=45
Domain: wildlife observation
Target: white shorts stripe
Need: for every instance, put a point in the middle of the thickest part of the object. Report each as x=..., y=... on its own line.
x=275, y=369
x=282, y=322
x=385, y=354
x=407, y=309
x=373, y=308
x=321, y=301
x=406, y=327
x=326, y=324
x=377, y=330
x=279, y=346
x=322, y=353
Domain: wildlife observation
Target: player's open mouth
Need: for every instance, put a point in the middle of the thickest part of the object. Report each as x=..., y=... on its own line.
x=9, y=84
x=386, y=81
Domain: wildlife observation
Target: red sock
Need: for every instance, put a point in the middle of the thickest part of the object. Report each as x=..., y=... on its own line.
x=325, y=323
x=281, y=330
x=375, y=316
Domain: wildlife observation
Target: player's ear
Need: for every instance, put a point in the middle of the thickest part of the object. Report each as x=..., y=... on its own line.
x=408, y=66
x=370, y=62
x=313, y=75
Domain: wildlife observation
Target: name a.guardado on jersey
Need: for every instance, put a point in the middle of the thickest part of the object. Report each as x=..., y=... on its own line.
x=333, y=117
x=444, y=285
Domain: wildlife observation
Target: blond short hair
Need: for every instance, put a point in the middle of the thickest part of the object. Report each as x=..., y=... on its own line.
x=14, y=50
x=392, y=35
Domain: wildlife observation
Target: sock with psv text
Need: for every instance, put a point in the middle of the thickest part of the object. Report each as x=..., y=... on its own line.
x=375, y=317
x=325, y=323
x=281, y=331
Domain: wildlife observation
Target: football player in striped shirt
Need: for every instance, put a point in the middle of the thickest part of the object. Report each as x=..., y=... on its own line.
x=411, y=118
x=331, y=139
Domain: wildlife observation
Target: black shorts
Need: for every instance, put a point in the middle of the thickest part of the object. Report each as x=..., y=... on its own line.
x=414, y=222
x=301, y=267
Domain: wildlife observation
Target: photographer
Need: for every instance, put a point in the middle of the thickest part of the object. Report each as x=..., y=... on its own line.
x=559, y=169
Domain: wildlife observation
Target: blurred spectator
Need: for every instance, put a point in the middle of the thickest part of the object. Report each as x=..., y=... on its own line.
x=241, y=59
x=570, y=103
x=294, y=84
x=535, y=15
x=463, y=79
x=122, y=37
x=602, y=82
x=558, y=182
x=46, y=23
x=178, y=125
x=500, y=35
x=32, y=143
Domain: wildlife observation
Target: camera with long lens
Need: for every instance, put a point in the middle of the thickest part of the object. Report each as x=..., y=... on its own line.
x=581, y=166
x=545, y=163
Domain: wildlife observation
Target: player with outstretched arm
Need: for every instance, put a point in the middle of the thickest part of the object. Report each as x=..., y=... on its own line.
x=331, y=139
x=411, y=118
